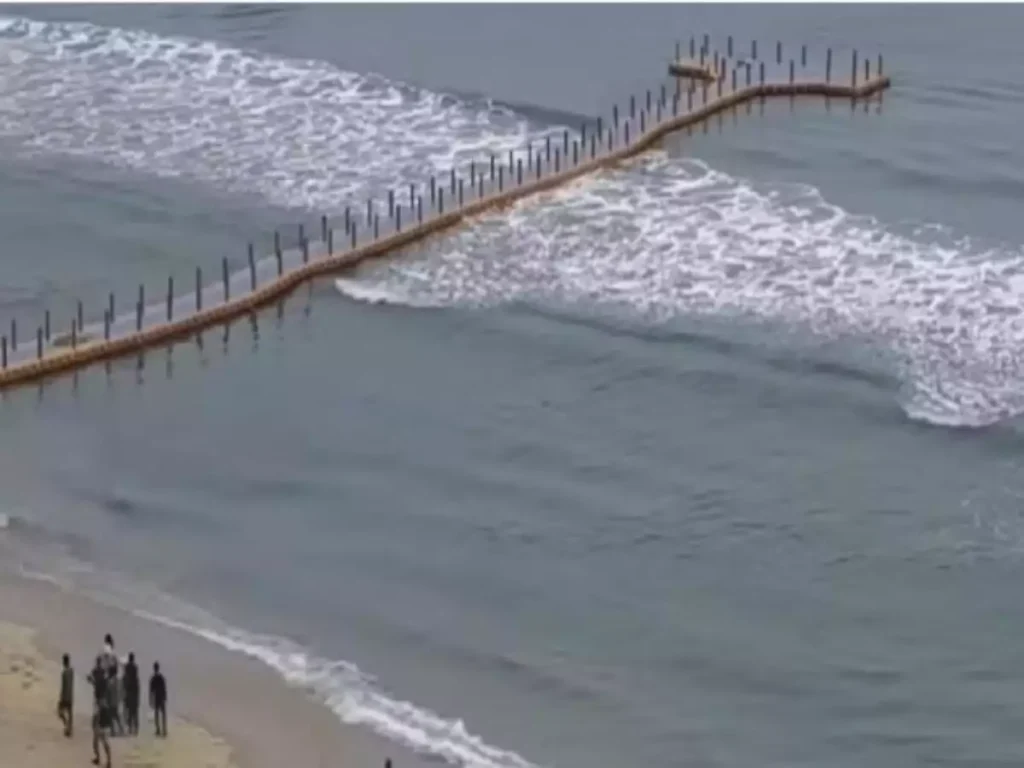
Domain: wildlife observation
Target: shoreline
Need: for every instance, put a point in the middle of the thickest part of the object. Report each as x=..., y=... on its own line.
x=216, y=696
x=29, y=738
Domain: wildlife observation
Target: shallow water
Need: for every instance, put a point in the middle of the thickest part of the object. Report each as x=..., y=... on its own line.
x=708, y=461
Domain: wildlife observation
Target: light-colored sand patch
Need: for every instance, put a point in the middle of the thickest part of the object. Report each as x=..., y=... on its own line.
x=267, y=723
x=31, y=735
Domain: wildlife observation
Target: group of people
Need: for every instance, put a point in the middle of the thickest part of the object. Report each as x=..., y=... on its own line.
x=115, y=693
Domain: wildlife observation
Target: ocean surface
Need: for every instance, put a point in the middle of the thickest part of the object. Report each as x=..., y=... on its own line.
x=714, y=460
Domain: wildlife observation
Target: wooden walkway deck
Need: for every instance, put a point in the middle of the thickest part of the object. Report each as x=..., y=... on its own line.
x=709, y=83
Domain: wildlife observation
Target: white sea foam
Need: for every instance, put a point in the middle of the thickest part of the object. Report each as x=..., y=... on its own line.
x=354, y=696
x=297, y=133
x=384, y=294
x=663, y=239
x=671, y=237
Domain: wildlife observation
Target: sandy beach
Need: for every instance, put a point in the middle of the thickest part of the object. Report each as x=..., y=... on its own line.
x=27, y=734
x=224, y=709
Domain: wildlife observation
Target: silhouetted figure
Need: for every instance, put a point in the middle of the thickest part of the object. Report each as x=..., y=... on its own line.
x=100, y=711
x=66, y=701
x=158, y=700
x=130, y=682
x=110, y=664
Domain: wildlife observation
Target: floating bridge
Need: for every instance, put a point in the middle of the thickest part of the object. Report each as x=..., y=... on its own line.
x=705, y=83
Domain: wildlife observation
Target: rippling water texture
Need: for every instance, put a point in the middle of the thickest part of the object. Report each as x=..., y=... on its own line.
x=709, y=460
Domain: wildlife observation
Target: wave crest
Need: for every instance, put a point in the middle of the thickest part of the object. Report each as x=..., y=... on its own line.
x=350, y=693
x=671, y=238
x=297, y=133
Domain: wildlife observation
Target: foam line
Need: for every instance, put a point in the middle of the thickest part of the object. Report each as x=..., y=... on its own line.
x=672, y=239
x=293, y=133
x=354, y=696
x=539, y=177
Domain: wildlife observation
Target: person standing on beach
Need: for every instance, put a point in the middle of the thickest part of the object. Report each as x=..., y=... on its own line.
x=130, y=680
x=66, y=702
x=110, y=664
x=100, y=711
x=158, y=700
x=114, y=703
x=109, y=656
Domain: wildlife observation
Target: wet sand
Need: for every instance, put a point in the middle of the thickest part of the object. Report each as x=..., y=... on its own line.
x=224, y=709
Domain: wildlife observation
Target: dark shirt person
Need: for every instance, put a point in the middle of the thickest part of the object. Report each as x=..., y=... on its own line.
x=158, y=700
x=130, y=681
x=66, y=701
x=100, y=711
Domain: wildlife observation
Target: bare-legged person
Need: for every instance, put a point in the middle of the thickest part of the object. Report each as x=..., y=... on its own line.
x=101, y=712
x=158, y=700
x=66, y=700
x=100, y=724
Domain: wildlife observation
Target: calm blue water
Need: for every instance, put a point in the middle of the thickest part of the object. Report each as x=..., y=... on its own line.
x=711, y=461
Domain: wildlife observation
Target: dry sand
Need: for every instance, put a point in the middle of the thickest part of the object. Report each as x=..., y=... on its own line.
x=224, y=709
x=31, y=738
